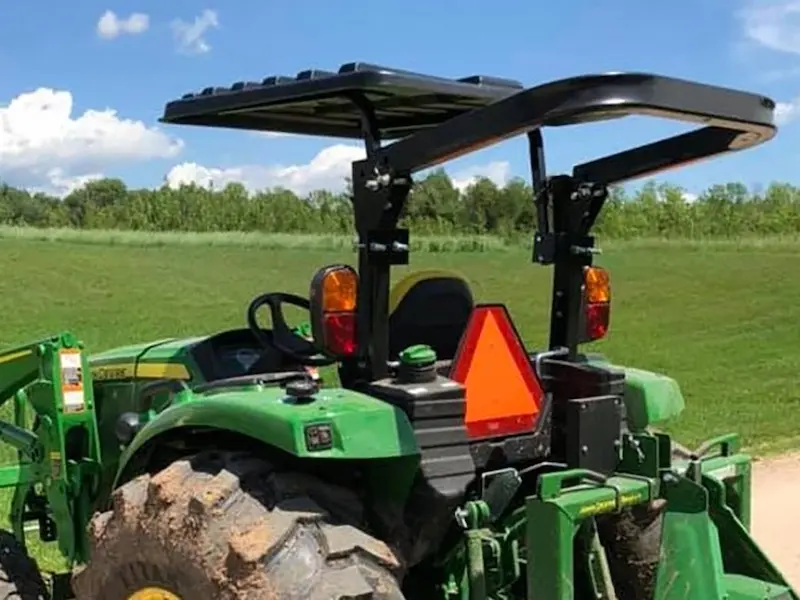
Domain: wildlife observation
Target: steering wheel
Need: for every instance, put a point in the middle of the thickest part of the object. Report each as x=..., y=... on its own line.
x=284, y=339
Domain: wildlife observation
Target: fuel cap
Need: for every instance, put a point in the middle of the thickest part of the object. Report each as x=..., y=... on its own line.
x=302, y=389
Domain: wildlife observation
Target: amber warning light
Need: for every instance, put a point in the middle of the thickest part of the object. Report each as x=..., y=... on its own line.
x=596, y=304
x=333, y=298
x=502, y=392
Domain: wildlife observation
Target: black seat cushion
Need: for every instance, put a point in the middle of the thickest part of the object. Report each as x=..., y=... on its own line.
x=429, y=307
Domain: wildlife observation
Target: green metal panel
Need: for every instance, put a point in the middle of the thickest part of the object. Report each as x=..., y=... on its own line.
x=18, y=367
x=650, y=398
x=112, y=398
x=171, y=350
x=167, y=359
x=555, y=514
x=734, y=473
x=361, y=427
x=167, y=349
x=51, y=376
x=706, y=551
x=124, y=353
x=740, y=552
x=740, y=587
x=691, y=563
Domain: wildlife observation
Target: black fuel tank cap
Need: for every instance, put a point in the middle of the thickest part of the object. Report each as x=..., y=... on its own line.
x=302, y=389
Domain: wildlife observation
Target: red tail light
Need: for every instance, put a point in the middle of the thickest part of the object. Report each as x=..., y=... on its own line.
x=596, y=303
x=340, y=334
x=597, y=320
x=333, y=297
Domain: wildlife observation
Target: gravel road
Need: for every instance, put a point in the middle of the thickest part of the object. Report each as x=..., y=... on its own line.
x=776, y=518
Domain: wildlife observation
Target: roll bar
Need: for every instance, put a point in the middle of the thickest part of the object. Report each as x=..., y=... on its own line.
x=434, y=119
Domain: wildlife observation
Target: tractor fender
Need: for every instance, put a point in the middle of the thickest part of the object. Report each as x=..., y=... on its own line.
x=650, y=398
x=336, y=424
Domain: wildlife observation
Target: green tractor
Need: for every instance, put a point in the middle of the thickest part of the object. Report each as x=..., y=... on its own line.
x=451, y=462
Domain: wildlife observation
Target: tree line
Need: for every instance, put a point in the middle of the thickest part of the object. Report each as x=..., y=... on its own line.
x=436, y=207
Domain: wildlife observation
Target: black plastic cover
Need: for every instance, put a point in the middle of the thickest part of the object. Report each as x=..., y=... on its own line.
x=728, y=120
x=317, y=102
x=439, y=119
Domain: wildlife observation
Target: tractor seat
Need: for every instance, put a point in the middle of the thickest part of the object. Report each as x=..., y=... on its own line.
x=429, y=307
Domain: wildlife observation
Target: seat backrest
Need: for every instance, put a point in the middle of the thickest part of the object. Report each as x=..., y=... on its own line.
x=429, y=307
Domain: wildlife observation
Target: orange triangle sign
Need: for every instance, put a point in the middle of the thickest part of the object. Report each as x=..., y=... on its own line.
x=503, y=394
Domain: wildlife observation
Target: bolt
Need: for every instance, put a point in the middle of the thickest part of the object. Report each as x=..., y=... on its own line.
x=669, y=478
x=378, y=182
x=461, y=515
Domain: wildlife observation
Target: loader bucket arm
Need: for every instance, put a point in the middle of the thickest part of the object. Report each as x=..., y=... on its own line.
x=18, y=368
x=60, y=450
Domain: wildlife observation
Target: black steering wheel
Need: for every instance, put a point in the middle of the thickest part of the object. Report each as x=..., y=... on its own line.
x=283, y=338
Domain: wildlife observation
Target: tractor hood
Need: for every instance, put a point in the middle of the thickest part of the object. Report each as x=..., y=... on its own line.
x=198, y=359
x=165, y=349
x=169, y=358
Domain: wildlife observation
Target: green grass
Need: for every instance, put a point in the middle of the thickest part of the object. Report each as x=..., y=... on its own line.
x=721, y=317
x=717, y=316
x=282, y=241
x=335, y=242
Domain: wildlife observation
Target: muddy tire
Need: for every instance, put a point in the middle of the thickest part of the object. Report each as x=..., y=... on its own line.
x=226, y=526
x=19, y=576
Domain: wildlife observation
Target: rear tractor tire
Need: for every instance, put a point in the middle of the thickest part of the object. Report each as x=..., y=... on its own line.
x=19, y=575
x=226, y=526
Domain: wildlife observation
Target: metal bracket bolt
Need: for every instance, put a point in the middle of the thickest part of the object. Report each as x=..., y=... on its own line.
x=377, y=247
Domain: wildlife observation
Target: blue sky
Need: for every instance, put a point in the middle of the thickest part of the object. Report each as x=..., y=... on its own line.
x=65, y=51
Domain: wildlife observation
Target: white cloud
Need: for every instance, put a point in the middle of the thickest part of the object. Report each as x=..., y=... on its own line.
x=773, y=75
x=190, y=36
x=327, y=170
x=111, y=26
x=271, y=134
x=774, y=24
x=786, y=112
x=43, y=146
x=498, y=171
x=62, y=184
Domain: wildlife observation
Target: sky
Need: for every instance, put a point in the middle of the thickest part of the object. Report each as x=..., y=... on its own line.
x=82, y=85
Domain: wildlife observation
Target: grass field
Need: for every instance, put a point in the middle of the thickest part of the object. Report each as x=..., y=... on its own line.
x=721, y=317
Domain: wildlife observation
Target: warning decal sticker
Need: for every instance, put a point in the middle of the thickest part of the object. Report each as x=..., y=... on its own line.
x=72, y=381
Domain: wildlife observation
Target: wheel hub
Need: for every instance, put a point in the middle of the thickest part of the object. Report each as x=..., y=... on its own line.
x=153, y=593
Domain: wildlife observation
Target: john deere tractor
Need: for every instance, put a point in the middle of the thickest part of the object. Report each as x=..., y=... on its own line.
x=451, y=462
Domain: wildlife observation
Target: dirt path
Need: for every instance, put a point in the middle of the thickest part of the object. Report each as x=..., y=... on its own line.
x=776, y=518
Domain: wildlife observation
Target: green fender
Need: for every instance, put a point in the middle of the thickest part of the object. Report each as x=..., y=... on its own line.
x=650, y=398
x=361, y=427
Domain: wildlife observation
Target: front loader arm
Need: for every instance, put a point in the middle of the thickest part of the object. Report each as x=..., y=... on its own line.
x=18, y=367
x=60, y=449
